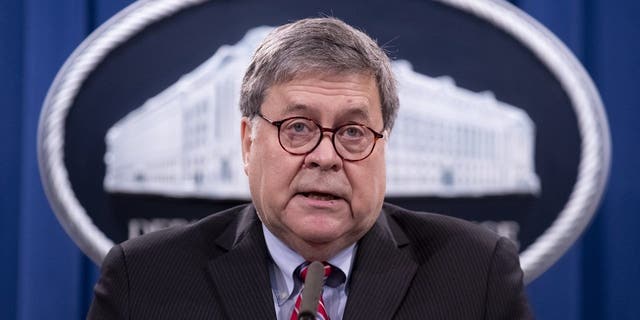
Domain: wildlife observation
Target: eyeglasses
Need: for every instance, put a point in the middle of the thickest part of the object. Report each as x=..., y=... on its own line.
x=300, y=136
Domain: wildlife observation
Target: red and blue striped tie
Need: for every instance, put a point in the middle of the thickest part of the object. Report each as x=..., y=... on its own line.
x=322, y=311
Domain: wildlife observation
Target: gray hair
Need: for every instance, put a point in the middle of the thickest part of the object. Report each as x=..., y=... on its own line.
x=317, y=45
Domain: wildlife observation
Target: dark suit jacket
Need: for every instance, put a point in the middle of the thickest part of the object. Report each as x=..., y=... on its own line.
x=408, y=266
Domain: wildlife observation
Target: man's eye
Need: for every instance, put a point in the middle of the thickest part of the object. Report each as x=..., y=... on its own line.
x=299, y=127
x=353, y=132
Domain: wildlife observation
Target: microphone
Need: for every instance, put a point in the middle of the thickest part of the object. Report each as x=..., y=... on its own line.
x=311, y=291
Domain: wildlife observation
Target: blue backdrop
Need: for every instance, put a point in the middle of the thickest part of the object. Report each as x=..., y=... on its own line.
x=44, y=276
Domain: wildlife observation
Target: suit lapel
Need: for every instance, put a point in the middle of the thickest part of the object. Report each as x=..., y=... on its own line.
x=241, y=275
x=382, y=273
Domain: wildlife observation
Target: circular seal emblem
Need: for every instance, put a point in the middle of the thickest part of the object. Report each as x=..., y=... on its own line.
x=498, y=124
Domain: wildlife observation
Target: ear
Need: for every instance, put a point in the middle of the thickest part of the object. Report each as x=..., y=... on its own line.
x=245, y=137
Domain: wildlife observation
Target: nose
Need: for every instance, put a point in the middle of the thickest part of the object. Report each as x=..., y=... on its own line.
x=324, y=156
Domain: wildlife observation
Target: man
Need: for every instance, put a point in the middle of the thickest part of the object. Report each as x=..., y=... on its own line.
x=318, y=103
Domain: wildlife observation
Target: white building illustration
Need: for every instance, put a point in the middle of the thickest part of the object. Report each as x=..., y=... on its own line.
x=447, y=141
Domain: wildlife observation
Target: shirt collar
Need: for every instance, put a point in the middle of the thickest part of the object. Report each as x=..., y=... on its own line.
x=286, y=260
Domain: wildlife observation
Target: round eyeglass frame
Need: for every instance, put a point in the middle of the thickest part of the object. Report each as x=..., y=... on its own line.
x=278, y=124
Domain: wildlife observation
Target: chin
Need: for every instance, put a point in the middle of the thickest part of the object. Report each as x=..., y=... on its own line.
x=315, y=237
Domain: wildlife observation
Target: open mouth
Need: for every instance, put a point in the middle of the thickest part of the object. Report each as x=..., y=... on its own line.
x=319, y=196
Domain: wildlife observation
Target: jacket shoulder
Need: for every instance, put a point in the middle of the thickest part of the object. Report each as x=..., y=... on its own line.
x=431, y=231
x=194, y=239
x=461, y=264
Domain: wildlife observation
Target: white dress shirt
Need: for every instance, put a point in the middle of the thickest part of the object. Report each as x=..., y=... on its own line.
x=285, y=286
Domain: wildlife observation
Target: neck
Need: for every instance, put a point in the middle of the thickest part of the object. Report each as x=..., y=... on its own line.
x=312, y=251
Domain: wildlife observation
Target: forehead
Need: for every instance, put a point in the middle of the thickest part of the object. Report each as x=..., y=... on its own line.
x=353, y=95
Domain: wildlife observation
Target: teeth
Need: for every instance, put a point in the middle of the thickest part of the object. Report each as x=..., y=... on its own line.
x=319, y=196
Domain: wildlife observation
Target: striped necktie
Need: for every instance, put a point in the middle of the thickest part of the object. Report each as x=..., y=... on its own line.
x=322, y=311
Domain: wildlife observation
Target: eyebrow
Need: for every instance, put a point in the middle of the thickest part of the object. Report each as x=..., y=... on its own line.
x=295, y=108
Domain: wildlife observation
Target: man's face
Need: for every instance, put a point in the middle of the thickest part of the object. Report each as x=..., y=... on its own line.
x=316, y=200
